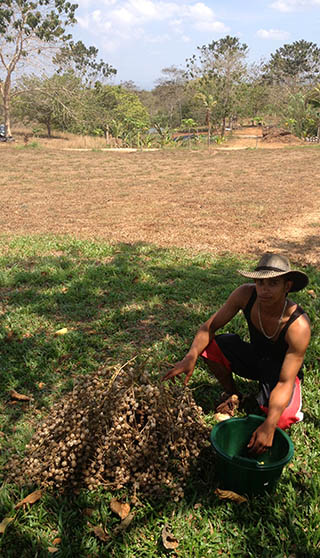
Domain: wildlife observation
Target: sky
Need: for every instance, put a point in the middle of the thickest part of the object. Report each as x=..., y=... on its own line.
x=139, y=38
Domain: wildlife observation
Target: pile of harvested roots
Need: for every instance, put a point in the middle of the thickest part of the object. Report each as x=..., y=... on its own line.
x=117, y=429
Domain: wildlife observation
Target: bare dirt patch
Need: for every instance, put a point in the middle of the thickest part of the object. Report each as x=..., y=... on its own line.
x=261, y=137
x=241, y=202
x=274, y=134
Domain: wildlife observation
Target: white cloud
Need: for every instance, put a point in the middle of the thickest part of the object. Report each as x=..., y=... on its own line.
x=109, y=46
x=214, y=26
x=84, y=22
x=200, y=11
x=204, y=18
x=274, y=34
x=122, y=18
x=96, y=16
x=157, y=38
x=133, y=12
x=294, y=5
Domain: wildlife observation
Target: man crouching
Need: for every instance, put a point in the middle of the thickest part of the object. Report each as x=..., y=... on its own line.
x=279, y=332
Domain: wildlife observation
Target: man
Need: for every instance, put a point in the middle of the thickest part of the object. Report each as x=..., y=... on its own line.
x=279, y=336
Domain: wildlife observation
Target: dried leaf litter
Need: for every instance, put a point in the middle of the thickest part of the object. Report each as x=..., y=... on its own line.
x=117, y=430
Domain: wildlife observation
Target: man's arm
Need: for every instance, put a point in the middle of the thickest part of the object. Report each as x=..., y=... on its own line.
x=204, y=336
x=297, y=337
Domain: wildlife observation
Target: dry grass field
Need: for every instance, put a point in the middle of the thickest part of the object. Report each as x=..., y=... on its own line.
x=222, y=200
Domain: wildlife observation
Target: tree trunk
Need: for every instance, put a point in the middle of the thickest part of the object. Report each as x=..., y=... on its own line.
x=223, y=127
x=208, y=122
x=48, y=124
x=6, y=105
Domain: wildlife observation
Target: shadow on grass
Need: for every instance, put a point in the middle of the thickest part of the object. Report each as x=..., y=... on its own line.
x=116, y=302
x=125, y=302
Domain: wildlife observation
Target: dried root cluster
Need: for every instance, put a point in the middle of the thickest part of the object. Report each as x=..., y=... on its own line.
x=117, y=431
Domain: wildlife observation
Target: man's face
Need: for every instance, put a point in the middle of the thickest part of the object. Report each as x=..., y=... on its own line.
x=273, y=289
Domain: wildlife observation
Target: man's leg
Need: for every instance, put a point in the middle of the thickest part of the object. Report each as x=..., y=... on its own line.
x=292, y=414
x=225, y=353
x=223, y=375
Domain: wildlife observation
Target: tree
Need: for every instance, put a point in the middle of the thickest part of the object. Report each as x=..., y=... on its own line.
x=252, y=95
x=220, y=66
x=25, y=27
x=82, y=61
x=295, y=65
x=116, y=111
x=207, y=100
x=300, y=116
x=55, y=102
x=170, y=92
x=313, y=98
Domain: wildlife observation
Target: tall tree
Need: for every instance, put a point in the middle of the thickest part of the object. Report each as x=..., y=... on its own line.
x=55, y=102
x=252, y=98
x=207, y=100
x=220, y=65
x=25, y=27
x=170, y=93
x=295, y=65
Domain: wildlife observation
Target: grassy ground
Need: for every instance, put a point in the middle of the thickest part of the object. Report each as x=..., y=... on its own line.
x=119, y=301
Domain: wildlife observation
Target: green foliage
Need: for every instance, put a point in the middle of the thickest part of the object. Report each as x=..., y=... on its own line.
x=98, y=132
x=301, y=117
x=82, y=60
x=24, y=26
x=163, y=135
x=313, y=96
x=217, y=73
x=218, y=139
x=30, y=145
x=298, y=62
x=63, y=102
x=36, y=131
x=56, y=101
x=219, y=59
x=252, y=98
x=170, y=96
x=38, y=18
x=259, y=120
x=188, y=123
x=117, y=112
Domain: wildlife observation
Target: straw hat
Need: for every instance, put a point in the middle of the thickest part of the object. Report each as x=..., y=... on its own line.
x=275, y=265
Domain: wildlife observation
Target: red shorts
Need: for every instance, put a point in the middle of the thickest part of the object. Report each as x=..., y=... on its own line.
x=238, y=356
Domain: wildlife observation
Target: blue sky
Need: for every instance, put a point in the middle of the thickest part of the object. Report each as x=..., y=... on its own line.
x=141, y=37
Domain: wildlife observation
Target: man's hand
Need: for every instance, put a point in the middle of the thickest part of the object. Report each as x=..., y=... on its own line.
x=261, y=440
x=184, y=366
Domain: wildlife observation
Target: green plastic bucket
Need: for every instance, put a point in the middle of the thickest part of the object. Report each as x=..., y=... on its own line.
x=235, y=469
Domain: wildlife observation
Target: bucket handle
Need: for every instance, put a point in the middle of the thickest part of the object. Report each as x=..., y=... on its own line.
x=244, y=460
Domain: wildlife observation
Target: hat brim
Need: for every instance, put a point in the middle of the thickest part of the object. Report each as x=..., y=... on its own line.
x=298, y=278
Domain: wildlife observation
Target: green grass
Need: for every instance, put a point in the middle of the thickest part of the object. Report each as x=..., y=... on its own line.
x=31, y=145
x=119, y=302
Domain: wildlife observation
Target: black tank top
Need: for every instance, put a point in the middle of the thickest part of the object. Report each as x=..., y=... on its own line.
x=266, y=348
